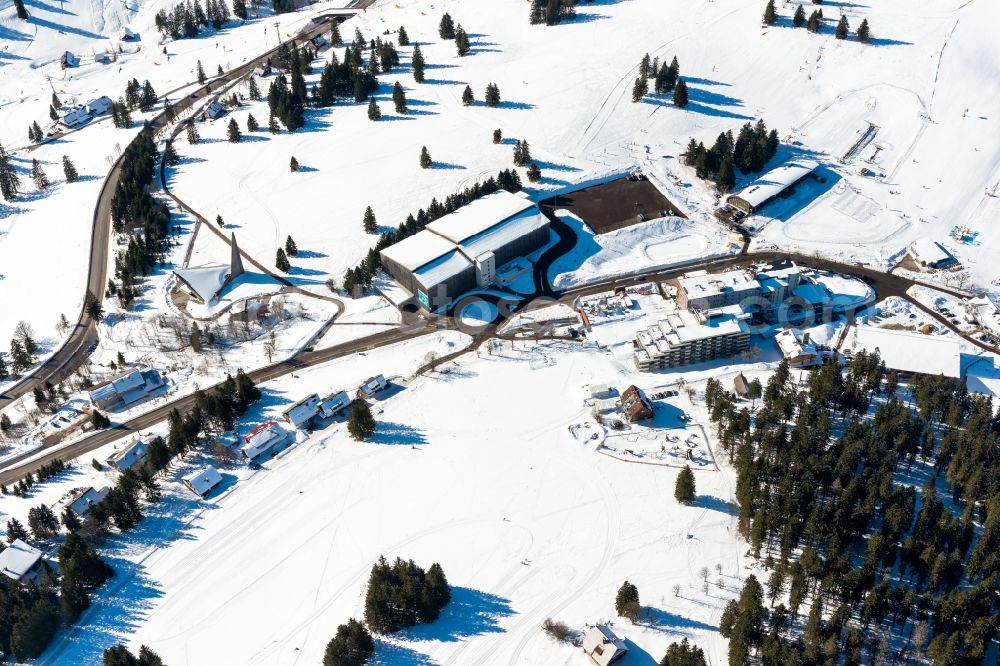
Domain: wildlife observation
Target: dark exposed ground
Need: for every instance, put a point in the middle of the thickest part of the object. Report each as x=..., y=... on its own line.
x=617, y=204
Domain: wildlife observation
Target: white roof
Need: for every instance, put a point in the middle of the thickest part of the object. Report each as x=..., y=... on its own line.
x=700, y=284
x=791, y=346
x=129, y=381
x=206, y=281
x=479, y=215
x=928, y=251
x=442, y=268
x=131, y=454
x=509, y=230
x=419, y=249
x=303, y=410
x=775, y=181
x=89, y=497
x=602, y=645
x=907, y=351
x=203, y=480
x=18, y=559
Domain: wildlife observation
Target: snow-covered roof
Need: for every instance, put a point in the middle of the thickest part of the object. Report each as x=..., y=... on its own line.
x=499, y=235
x=479, y=216
x=907, y=351
x=303, y=410
x=86, y=498
x=603, y=646
x=442, y=268
x=205, y=281
x=776, y=181
x=18, y=559
x=795, y=348
x=419, y=249
x=929, y=252
x=203, y=480
x=699, y=284
x=132, y=454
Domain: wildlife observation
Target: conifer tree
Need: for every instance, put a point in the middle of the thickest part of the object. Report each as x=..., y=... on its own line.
x=69, y=170
x=293, y=164
x=38, y=175
x=398, y=98
x=799, y=17
x=536, y=15
x=497, y=136
x=725, y=178
x=10, y=182
x=534, y=173
x=218, y=70
x=644, y=66
x=683, y=654
x=22, y=13
x=192, y=133
x=290, y=247
x=240, y=10
x=770, y=14
x=219, y=221
x=201, y=73
x=425, y=159
x=272, y=125
x=681, y=94
x=99, y=420
x=864, y=35
x=360, y=422
x=252, y=125
x=813, y=24
x=352, y=645
x=843, y=28
x=639, y=89
x=418, y=64
x=374, y=112
x=402, y=37
x=468, y=99
x=281, y=261
x=233, y=131
x=93, y=307
x=447, y=28
x=684, y=490
x=492, y=97
x=70, y=520
x=147, y=99
x=15, y=530
x=55, y=100
x=461, y=41
x=673, y=73
x=627, y=601
x=253, y=91
x=369, y=222
x=52, y=113
x=39, y=135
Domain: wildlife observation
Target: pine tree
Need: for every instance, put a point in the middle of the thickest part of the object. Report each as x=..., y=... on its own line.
x=147, y=99
x=843, y=28
x=201, y=73
x=447, y=28
x=725, y=178
x=468, y=99
x=492, y=97
x=290, y=247
x=425, y=159
x=219, y=221
x=402, y=37
x=418, y=64
x=770, y=14
x=627, y=601
x=639, y=89
x=252, y=125
x=93, y=307
x=272, y=127
x=39, y=135
x=218, y=70
x=534, y=173
x=293, y=164
x=360, y=422
x=374, y=112
x=799, y=17
x=22, y=13
x=240, y=10
x=52, y=113
x=15, y=530
x=10, y=182
x=192, y=133
x=683, y=654
x=522, y=153
x=38, y=175
x=644, y=66
x=535, y=15
x=813, y=24
x=399, y=98
x=864, y=35
x=369, y=222
x=233, y=132
x=70, y=520
x=684, y=490
x=681, y=94
x=461, y=41
x=99, y=421
x=55, y=100
x=352, y=645
x=281, y=261
x=497, y=136
x=253, y=91
x=69, y=170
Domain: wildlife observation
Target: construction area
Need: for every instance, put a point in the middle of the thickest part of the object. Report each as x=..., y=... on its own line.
x=616, y=205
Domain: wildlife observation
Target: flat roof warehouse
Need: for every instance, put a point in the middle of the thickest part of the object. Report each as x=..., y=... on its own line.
x=461, y=250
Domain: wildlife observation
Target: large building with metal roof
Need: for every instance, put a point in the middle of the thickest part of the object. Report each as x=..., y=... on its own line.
x=770, y=185
x=462, y=250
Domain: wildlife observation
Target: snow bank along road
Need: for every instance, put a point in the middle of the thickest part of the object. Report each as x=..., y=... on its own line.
x=77, y=347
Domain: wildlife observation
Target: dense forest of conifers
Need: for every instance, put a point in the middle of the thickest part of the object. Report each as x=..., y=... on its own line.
x=876, y=512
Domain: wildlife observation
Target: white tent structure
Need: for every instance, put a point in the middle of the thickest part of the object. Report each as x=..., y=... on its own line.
x=771, y=184
x=207, y=282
